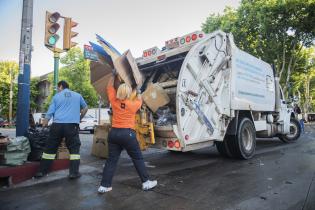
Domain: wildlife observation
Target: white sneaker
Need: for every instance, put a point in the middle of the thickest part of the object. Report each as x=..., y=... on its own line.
x=102, y=189
x=149, y=184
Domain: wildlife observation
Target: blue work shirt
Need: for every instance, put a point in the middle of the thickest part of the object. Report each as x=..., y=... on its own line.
x=65, y=107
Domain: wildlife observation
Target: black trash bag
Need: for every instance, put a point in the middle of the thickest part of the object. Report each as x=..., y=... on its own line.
x=38, y=137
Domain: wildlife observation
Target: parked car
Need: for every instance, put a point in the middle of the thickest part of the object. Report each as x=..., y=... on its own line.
x=2, y=122
x=88, y=123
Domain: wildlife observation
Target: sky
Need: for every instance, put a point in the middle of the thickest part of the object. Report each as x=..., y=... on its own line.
x=127, y=24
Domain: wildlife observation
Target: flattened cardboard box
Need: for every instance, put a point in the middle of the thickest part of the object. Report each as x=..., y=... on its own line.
x=100, y=143
x=155, y=97
x=128, y=70
x=99, y=76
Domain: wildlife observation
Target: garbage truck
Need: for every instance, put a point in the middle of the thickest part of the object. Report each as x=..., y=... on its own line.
x=218, y=95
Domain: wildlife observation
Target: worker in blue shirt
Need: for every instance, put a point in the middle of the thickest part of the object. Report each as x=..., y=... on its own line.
x=67, y=109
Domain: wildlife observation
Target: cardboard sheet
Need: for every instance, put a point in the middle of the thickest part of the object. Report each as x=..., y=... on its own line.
x=155, y=97
x=128, y=70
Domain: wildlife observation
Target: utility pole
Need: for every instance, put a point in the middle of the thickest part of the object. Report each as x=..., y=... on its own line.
x=56, y=70
x=23, y=104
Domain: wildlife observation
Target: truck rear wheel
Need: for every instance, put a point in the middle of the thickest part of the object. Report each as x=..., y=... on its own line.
x=295, y=132
x=244, y=144
x=223, y=147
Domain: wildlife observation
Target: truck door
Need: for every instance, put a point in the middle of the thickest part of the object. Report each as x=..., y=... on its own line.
x=285, y=113
x=203, y=91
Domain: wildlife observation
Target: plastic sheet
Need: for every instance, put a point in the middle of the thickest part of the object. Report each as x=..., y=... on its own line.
x=17, y=151
x=165, y=116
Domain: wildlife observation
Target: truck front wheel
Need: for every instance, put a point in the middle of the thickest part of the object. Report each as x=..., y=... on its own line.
x=295, y=132
x=244, y=144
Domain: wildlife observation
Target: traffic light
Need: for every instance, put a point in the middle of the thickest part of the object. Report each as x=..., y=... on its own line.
x=51, y=27
x=68, y=34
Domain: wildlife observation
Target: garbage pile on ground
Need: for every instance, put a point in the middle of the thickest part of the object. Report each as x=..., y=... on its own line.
x=15, y=150
x=4, y=140
x=37, y=137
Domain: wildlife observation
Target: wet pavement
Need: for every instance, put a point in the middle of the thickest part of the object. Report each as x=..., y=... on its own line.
x=280, y=176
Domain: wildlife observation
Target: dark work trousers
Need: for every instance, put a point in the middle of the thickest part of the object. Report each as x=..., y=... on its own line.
x=69, y=131
x=119, y=139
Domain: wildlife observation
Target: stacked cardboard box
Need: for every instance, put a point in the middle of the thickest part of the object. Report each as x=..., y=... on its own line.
x=63, y=152
x=155, y=97
x=100, y=144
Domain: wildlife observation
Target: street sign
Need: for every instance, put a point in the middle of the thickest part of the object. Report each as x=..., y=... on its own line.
x=89, y=53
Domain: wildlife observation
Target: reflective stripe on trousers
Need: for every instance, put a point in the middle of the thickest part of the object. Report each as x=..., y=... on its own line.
x=74, y=157
x=48, y=156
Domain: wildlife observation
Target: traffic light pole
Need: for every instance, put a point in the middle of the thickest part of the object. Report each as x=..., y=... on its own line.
x=56, y=70
x=23, y=103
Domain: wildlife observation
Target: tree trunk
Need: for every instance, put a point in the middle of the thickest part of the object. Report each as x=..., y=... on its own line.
x=283, y=61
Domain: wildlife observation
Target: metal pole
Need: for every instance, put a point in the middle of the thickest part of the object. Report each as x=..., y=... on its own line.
x=56, y=70
x=23, y=103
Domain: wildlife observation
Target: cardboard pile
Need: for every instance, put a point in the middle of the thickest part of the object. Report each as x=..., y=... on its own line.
x=100, y=144
x=62, y=152
x=126, y=67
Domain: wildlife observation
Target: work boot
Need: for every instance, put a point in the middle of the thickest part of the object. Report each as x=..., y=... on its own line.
x=74, y=176
x=39, y=175
x=148, y=185
x=43, y=168
x=74, y=169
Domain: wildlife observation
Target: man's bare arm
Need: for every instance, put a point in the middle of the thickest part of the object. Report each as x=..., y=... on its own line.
x=83, y=112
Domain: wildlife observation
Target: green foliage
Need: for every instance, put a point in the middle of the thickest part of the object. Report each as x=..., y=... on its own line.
x=34, y=94
x=277, y=31
x=5, y=68
x=76, y=71
x=303, y=79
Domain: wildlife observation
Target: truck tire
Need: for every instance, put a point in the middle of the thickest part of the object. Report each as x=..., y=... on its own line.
x=244, y=143
x=295, y=132
x=223, y=147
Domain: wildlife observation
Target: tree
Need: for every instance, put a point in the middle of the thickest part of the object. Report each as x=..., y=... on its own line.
x=274, y=30
x=303, y=79
x=76, y=71
x=34, y=93
x=8, y=68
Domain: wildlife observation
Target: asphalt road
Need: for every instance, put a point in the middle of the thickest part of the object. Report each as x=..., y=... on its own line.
x=280, y=176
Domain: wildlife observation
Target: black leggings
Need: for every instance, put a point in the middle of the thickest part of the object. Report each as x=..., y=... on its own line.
x=119, y=139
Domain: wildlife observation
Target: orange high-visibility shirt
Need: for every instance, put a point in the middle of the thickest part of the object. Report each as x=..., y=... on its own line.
x=124, y=111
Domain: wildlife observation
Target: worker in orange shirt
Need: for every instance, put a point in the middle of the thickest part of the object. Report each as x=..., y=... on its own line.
x=123, y=136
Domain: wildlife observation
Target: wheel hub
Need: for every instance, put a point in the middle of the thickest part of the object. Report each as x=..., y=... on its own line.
x=247, y=139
